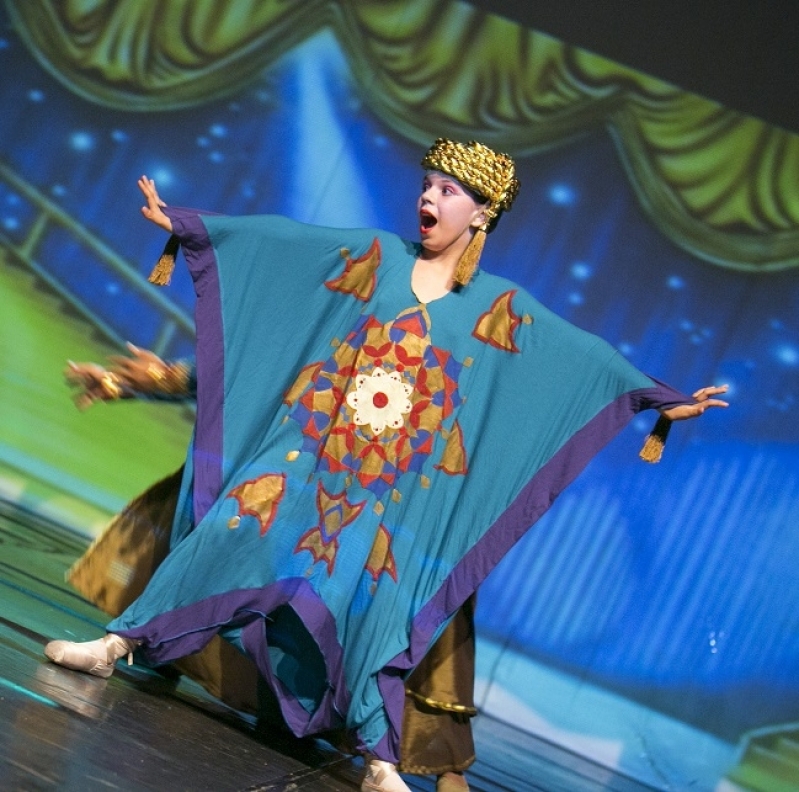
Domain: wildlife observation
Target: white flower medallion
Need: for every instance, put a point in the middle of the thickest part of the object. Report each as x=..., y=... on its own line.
x=380, y=399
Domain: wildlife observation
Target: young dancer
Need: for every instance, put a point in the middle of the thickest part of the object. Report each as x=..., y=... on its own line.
x=378, y=421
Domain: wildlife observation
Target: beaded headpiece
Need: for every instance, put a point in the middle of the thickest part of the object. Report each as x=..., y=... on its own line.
x=484, y=171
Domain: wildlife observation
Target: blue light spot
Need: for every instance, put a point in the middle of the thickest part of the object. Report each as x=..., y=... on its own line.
x=3, y=43
x=776, y=324
x=581, y=271
x=203, y=142
x=626, y=348
x=163, y=177
x=81, y=141
x=687, y=325
x=58, y=190
x=641, y=424
x=381, y=141
x=732, y=390
x=787, y=354
x=112, y=288
x=12, y=199
x=216, y=156
x=562, y=195
x=675, y=282
x=10, y=223
x=575, y=298
x=35, y=95
x=119, y=136
x=218, y=130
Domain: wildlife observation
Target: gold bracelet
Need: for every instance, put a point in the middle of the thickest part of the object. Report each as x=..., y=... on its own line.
x=109, y=385
x=171, y=379
x=156, y=374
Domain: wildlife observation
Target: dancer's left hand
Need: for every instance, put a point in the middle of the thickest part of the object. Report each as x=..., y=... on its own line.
x=704, y=400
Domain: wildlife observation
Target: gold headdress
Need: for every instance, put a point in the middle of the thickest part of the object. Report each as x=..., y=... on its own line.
x=489, y=174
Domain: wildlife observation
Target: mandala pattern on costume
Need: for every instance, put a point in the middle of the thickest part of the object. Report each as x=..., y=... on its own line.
x=374, y=408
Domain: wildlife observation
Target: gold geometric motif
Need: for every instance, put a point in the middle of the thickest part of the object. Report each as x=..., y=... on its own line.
x=260, y=497
x=304, y=378
x=498, y=325
x=381, y=559
x=359, y=276
x=335, y=513
x=453, y=460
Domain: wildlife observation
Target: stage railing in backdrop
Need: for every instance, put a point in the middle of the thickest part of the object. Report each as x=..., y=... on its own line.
x=46, y=217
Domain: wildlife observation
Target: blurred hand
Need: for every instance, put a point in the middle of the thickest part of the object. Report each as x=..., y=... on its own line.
x=93, y=383
x=143, y=372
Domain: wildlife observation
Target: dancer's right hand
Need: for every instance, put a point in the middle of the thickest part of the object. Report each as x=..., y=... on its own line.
x=153, y=211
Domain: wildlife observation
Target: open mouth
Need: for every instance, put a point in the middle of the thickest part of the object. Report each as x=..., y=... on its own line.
x=426, y=221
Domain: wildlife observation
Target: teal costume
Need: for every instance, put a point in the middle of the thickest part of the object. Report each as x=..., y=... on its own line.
x=361, y=461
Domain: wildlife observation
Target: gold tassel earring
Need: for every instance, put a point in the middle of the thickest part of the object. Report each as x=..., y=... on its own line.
x=162, y=271
x=470, y=258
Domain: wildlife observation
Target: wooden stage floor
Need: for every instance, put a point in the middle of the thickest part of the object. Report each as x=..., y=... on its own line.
x=142, y=730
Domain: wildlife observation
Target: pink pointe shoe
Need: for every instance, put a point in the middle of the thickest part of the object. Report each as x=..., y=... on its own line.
x=382, y=777
x=91, y=657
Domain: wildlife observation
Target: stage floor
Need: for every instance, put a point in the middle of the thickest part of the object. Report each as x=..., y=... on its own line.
x=142, y=730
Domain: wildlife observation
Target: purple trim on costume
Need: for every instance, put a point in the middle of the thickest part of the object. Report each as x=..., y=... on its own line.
x=200, y=257
x=531, y=503
x=172, y=635
x=385, y=749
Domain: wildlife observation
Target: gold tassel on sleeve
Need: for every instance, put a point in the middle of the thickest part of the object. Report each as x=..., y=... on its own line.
x=656, y=440
x=162, y=272
x=470, y=258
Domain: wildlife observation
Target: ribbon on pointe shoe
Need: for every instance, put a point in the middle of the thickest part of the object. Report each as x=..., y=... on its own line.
x=92, y=657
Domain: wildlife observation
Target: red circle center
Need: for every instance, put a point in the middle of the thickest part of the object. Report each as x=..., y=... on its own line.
x=380, y=399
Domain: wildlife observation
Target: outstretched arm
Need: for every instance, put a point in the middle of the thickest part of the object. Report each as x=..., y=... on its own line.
x=142, y=374
x=704, y=400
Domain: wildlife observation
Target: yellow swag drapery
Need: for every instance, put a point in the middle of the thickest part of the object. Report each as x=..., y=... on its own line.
x=722, y=185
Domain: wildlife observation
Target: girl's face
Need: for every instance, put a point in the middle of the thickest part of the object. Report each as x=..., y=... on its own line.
x=447, y=212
